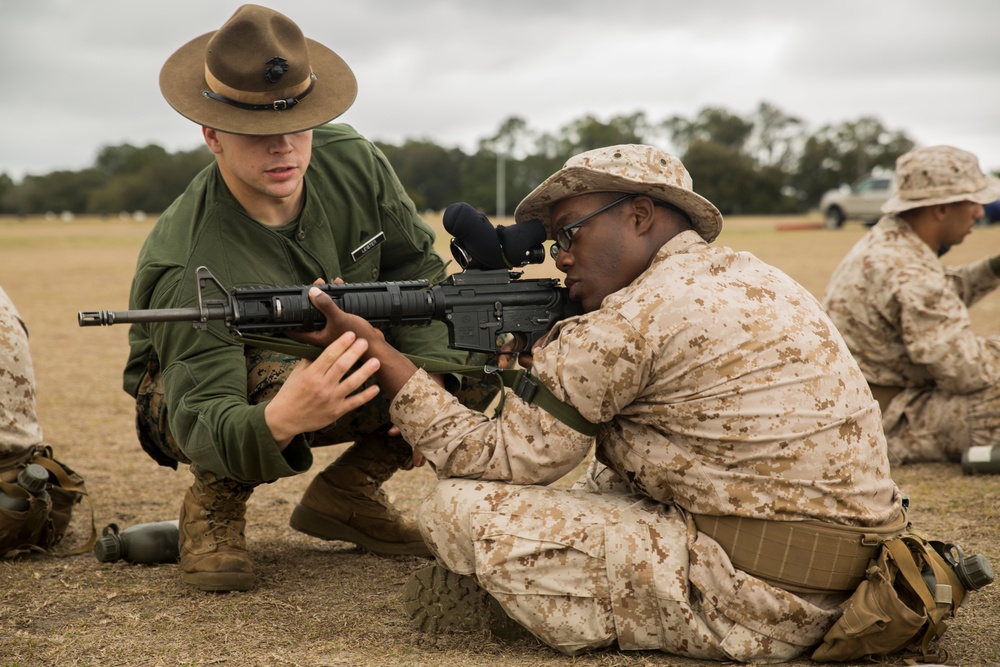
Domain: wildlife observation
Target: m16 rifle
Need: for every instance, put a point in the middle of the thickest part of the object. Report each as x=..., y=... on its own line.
x=479, y=306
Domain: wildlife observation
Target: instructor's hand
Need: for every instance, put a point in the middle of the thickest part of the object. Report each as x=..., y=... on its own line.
x=318, y=393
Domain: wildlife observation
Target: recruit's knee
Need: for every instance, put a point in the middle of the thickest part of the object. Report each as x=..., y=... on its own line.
x=445, y=522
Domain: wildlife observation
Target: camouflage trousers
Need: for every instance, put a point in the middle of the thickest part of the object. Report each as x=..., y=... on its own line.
x=936, y=425
x=266, y=372
x=584, y=570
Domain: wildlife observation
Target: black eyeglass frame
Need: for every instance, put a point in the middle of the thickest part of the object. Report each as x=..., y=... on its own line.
x=564, y=235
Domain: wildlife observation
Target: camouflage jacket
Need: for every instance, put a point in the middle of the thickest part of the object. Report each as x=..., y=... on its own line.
x=720, y=385
x=18, y=421
x=905, y=316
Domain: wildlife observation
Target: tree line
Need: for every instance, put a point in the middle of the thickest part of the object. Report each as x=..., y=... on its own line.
x=766, y=162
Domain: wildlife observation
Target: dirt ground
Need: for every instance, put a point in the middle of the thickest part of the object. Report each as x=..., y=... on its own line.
x=316, y=603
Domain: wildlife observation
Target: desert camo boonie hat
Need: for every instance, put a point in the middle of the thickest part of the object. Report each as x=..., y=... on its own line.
x=258, y=75
x=631, y=168
x=939, y=175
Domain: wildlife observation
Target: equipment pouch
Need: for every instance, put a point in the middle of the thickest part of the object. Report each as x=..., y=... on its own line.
x=908, y=592
x=43, y=524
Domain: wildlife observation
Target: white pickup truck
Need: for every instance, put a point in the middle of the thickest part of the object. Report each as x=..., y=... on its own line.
x=861, y=201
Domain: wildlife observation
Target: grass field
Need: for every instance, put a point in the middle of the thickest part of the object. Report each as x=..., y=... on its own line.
x=316, y=603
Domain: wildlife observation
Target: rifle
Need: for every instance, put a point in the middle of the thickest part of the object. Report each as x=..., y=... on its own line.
x=478, y=305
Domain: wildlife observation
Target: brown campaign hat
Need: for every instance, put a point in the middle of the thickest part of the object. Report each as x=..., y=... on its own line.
x=257, y=74
x=630, y=168
x=939, y=175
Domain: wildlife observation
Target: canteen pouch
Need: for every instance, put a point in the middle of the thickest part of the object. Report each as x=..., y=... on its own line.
x=907, y=595
x=43, y=525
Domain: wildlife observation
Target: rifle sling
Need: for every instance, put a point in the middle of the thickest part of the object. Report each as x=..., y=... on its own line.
x=524, y=385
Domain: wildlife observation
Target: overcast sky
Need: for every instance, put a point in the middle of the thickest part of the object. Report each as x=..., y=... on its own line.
x=77, y=75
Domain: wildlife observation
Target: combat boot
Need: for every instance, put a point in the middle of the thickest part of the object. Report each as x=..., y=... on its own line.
x=213, y=548
x=346, y=502
x=441, y=601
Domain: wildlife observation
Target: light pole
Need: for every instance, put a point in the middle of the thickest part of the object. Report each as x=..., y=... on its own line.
x=501, y=183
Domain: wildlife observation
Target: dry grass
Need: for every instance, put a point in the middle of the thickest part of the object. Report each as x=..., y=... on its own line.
x=316, y=603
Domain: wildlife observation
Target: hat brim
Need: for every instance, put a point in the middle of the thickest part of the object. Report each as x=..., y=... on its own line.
x=574, y=181
x=990, y=193
x=182, y=82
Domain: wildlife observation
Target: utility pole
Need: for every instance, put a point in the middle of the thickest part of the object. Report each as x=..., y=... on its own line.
x=501, y=183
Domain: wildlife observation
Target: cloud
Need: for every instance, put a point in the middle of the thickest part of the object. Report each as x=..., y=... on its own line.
x=81, y=75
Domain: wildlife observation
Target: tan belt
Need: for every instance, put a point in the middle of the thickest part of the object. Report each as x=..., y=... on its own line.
x=884, y=395
x=800, y=556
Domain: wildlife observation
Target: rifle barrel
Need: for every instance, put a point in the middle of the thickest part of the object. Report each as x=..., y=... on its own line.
x=96, y=318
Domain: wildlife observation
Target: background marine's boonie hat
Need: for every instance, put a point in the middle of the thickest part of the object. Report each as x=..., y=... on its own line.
x=259, y=75
x=630, y=168
x=939, y=175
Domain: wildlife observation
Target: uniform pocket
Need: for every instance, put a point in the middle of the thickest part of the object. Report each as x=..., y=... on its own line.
x=525, y=555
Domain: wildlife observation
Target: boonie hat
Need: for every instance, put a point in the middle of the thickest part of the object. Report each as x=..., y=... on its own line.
x=259, y=75
x=939, y=175
x=630, y=168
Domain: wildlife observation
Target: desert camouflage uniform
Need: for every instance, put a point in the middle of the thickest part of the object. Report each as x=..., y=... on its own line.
x=905, y=317
x=721, y=388
x=18, y=422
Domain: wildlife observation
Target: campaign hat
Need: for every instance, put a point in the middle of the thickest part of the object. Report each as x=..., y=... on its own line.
x=257, y=75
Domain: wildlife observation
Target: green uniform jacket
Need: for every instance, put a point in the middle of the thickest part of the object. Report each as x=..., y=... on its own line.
x=352, y=195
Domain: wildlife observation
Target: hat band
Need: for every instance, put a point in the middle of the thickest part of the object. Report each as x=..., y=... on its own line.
x=295, y=93
x=918, y=194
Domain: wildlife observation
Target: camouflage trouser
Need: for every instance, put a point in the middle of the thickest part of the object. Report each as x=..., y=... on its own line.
x=936, y=425
x=266, y=372
x=584, y=570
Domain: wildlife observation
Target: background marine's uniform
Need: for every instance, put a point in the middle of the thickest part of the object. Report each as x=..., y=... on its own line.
x=905, y=317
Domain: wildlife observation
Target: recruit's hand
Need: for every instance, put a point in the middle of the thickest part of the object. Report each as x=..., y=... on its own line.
x=394, y=368
x=337, y=322
x=318, y=393
x=513, y=343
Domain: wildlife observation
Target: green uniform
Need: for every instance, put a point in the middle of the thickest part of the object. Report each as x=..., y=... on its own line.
x=352, y=197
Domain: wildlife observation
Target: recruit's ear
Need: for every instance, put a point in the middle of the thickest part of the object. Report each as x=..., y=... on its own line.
x=643, y=212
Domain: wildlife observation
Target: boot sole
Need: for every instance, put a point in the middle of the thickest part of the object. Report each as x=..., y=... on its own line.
x=442, y=601
x=326, y=527
x=219, y=582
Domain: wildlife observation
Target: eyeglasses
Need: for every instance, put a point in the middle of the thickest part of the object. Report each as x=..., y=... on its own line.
x=564, y=236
